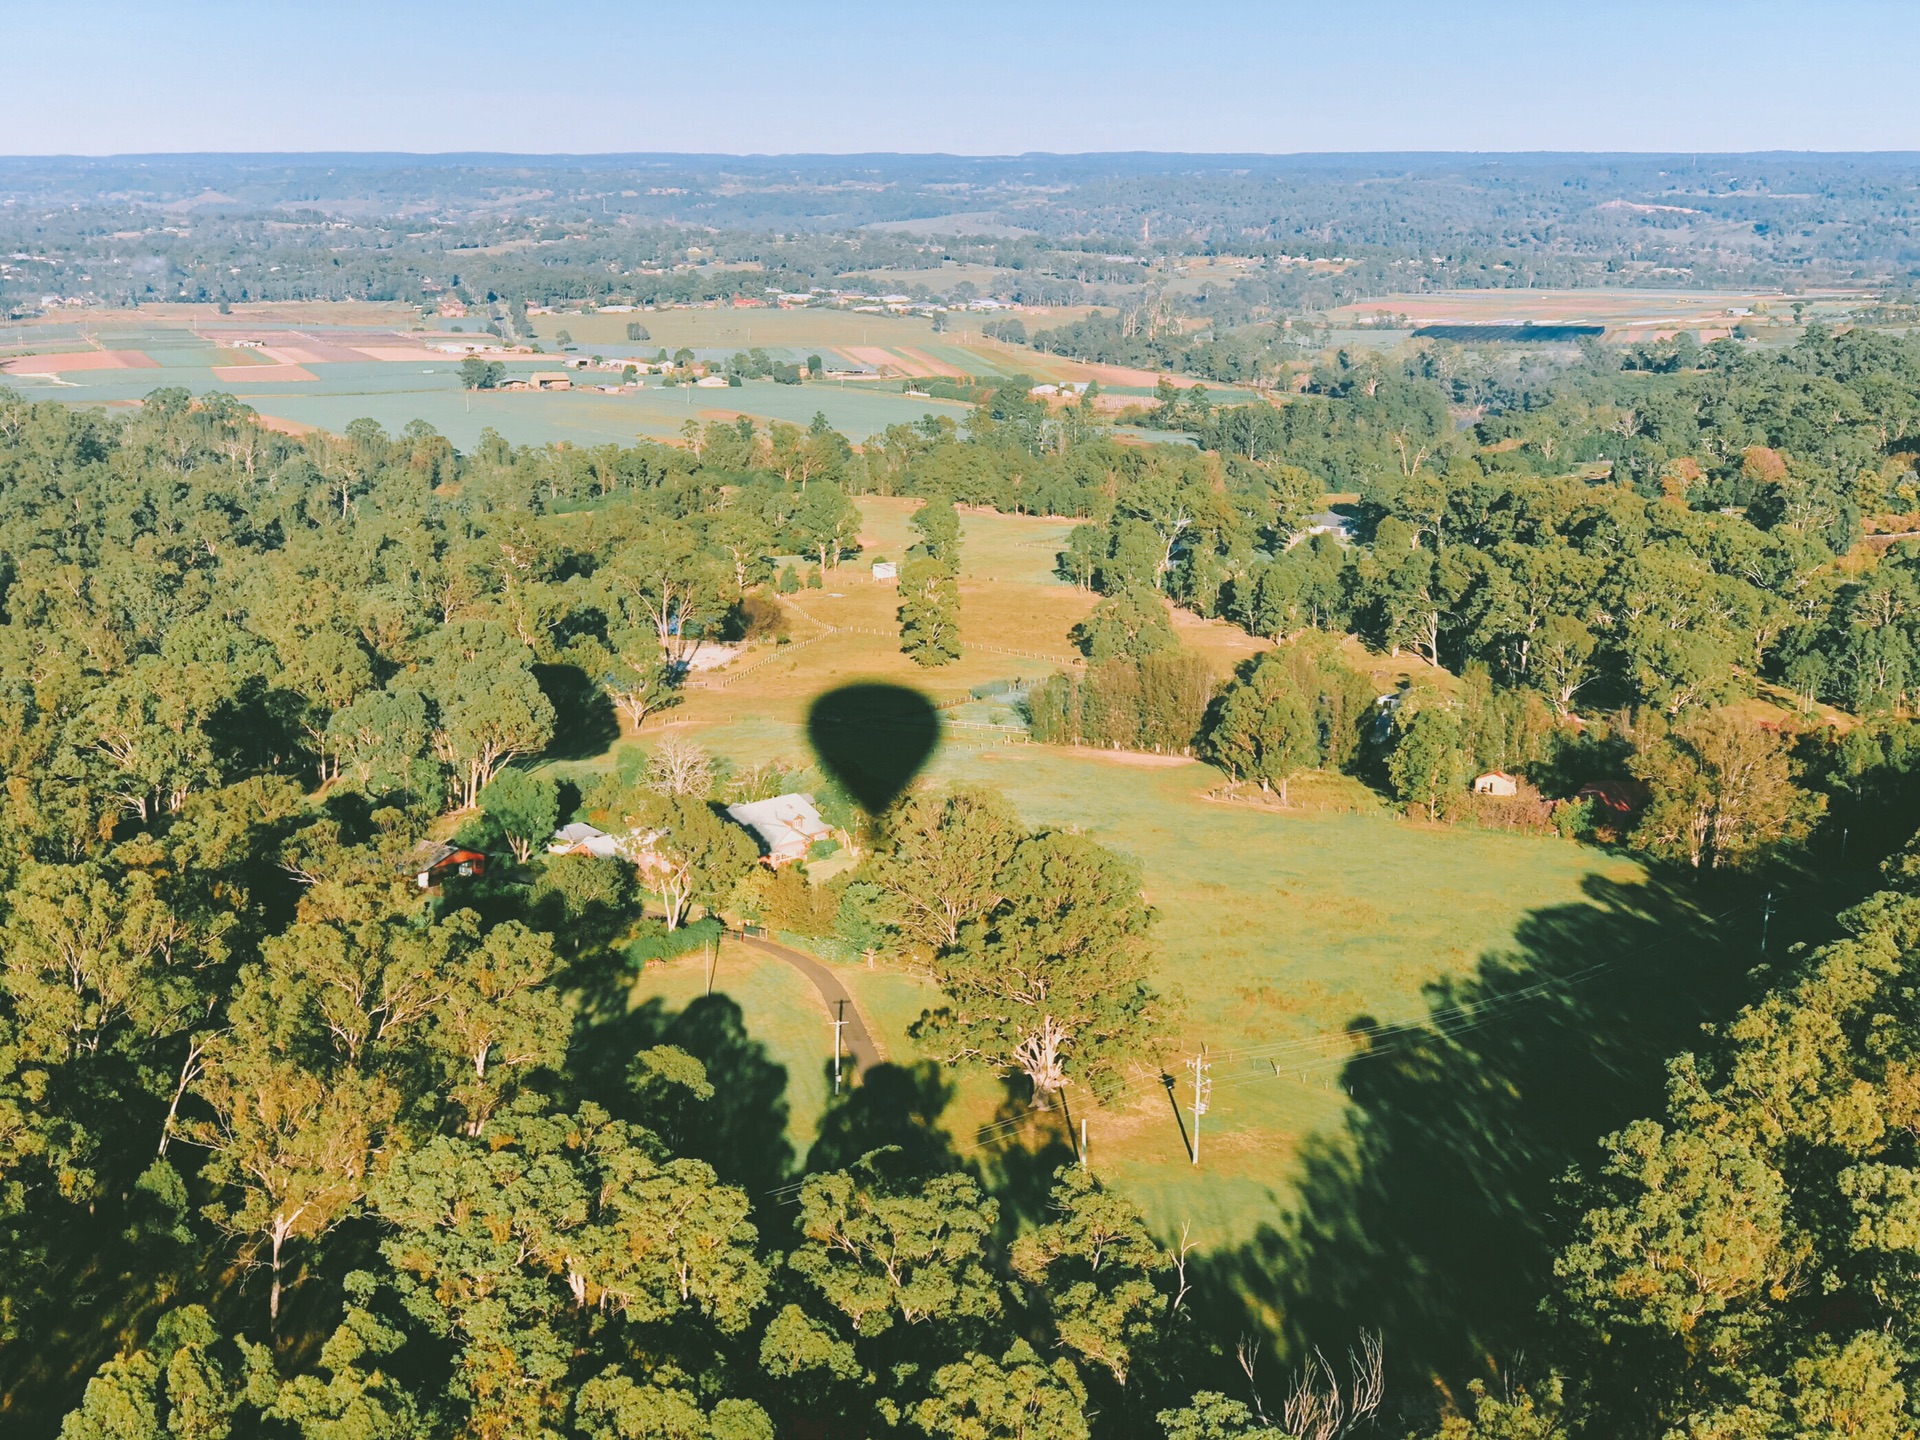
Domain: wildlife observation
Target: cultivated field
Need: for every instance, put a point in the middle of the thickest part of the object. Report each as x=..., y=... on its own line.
x=308, y=367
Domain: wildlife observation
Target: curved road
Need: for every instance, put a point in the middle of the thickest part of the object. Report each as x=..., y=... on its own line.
x=855, y=1037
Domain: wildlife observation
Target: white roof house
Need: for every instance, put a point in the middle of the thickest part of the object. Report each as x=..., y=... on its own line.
x=582, y=839
x=1495, y=782
x=785, y=826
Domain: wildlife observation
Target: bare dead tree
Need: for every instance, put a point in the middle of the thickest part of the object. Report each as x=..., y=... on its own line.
x=1187, y=1243
x=1248, y=1354
x=680, y=767
x=1319, y=1408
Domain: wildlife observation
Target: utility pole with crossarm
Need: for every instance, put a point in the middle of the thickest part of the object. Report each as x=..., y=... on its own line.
x=1202, y=1069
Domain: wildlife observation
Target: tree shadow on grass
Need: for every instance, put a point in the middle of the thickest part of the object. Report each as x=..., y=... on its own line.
x=740, y=1130
x=1433, y=1217
x=1020, y=1150
x=896, y=1105
x=585, y=724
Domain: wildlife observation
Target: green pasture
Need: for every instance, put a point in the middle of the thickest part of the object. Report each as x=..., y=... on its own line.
x=395, y=393
x=1273, y=928
x=730, y=329
x=993, y=547
x=1277, y=929
x=1010, y=548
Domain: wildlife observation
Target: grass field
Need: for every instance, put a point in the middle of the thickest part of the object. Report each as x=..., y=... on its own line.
x=1275, y=928
x=787, y=1021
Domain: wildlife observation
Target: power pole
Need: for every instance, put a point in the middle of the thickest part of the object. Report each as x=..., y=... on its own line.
x=710, y=968
x=1202, y=1069
x=839, y=1021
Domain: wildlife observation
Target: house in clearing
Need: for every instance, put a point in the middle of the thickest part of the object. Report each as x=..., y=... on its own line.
x=785, y=826
x=1327, y=522
x=1495, y=782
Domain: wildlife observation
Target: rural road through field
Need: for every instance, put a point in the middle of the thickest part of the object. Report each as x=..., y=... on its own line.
x=859, y=1043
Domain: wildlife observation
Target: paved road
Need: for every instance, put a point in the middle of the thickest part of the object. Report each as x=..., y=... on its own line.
x=859, y=1043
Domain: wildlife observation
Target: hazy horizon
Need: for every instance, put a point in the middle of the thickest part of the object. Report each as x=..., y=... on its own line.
x=1693, y=154
x=222, y=77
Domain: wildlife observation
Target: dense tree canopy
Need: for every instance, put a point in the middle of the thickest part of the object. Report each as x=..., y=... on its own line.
x=348, y=1157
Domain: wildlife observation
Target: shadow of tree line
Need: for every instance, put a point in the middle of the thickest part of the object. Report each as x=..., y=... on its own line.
x=1432, y=1217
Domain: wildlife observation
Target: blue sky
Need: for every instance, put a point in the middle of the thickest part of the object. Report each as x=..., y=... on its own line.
x=977, y=77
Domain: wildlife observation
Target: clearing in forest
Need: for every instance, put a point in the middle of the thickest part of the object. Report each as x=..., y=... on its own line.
x=1278, y=930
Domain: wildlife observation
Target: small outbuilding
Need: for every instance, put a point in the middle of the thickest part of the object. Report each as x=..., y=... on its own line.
x=1495, y=782
x=433, y=861
x=786, y=826
x=885, y=570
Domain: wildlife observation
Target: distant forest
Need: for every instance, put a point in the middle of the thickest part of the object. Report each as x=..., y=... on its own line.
x=1064, y=229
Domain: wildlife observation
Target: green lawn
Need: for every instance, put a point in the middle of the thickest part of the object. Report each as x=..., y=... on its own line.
x=1015, y=548
x=1273, y=928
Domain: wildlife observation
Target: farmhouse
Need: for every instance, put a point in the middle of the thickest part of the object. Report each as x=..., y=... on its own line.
x=1327, y=522
x=1495, y=782
x=582, y=839
x=785, y=826
x=432, y=861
